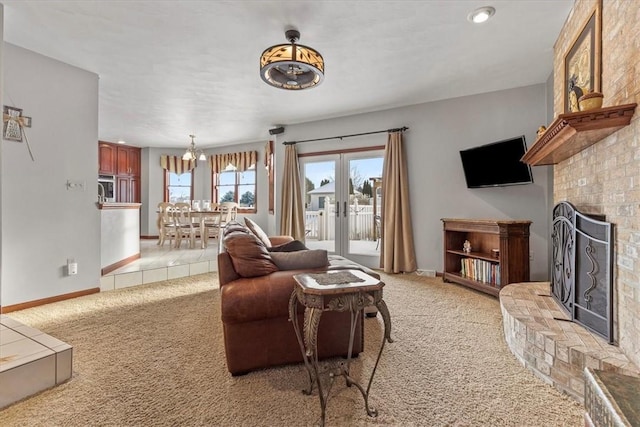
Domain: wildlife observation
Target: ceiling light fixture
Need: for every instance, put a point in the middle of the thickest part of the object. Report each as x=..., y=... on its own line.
x=481, y=15
x=191, y=153
x=292, y=66
x=121, y=141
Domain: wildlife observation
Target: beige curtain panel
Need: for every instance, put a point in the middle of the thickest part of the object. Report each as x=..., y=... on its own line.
x=292, y=206
x=241, y=161
x=176, y=165
x=397, y=253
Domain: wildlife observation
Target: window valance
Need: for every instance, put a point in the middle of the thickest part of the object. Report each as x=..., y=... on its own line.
x=240, y=161
x=176, y=165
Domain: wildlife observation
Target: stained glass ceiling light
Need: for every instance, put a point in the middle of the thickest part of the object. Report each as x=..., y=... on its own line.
x=292, y=66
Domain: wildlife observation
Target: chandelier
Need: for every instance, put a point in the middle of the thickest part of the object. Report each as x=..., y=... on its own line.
x=191, y=153
x=292, y=66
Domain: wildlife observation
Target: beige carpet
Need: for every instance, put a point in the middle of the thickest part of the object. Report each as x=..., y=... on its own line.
x=153, y=356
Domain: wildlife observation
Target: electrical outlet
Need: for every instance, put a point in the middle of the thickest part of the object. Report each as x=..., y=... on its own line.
x=72, y=267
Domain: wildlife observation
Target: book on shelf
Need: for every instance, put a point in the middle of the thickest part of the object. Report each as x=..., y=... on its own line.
x=480, y=270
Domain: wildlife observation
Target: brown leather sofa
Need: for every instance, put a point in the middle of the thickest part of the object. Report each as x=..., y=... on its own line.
x=255, y=317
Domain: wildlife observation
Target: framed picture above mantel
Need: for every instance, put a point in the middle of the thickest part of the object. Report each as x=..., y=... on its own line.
x=583, y=61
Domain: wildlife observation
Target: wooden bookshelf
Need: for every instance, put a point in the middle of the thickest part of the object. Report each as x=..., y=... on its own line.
x=510, y=237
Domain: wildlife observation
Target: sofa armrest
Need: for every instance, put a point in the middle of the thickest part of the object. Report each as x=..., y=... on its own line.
x=280, y=240
x=226, y=272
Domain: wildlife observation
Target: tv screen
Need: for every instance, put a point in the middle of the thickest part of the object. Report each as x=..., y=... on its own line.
x=496, y=164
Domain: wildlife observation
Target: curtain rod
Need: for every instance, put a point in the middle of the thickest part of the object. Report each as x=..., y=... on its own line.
x=402, y=129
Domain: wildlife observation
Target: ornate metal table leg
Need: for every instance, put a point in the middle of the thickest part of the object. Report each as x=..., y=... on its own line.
x=311, y=322
x=382, y=307
x=384, y=311
x=293, y=318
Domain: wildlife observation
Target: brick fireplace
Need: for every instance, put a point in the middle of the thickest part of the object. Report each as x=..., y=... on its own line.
x=601, y=180
x=545, y=340
x=604, y=179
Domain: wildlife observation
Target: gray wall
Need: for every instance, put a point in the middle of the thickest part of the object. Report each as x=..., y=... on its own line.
x=438, y=131
x=44, y=223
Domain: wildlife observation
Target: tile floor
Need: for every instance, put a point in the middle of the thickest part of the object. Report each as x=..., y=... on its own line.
x=158, y=263
x=30, y=361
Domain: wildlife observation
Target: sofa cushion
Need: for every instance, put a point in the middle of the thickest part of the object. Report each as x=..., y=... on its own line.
x=235, y=226
x=292, y=246
x=257, y=231
x=337, y=262
x=300, y=260
x=249, y=256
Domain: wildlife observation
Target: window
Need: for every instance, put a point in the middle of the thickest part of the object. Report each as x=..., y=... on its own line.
x=233, y=179
x=178, y=188
x=234, y=186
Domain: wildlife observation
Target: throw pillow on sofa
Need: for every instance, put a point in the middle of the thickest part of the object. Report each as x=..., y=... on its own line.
x=292, y=246
x=257, y=231
x=300, y=260
x=248, y=254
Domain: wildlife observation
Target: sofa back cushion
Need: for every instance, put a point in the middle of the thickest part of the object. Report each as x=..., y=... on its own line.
x=249, y=256
x=300, y=260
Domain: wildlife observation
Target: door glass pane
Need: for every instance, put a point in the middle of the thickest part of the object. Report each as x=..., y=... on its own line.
x=365, y=177
x=319, y=196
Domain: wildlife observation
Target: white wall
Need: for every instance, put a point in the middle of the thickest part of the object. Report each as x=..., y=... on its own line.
x=152, y=185
x=438, y=131
x=43, y=223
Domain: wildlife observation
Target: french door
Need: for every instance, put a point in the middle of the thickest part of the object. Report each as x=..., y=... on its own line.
x=342, y=194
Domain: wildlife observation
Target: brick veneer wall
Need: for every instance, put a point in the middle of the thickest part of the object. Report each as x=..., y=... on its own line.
x=605, y=178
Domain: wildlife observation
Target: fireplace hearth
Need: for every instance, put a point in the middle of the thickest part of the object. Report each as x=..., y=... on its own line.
x=582, y=279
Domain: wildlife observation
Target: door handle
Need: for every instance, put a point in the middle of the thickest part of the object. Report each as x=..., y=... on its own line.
x=345, y=209
x=337, y=209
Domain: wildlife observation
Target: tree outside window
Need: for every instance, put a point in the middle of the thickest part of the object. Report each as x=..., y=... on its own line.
x=239, y=187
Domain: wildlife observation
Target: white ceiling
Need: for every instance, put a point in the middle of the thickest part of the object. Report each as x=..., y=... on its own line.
x=171, y=68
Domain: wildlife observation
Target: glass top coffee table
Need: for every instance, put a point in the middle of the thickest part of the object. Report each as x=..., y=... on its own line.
x=337, y=290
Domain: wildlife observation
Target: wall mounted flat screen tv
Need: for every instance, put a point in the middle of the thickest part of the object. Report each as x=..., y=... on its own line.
x=496, y=164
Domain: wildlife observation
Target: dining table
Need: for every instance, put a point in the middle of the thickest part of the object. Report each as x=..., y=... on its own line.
x=201, y=216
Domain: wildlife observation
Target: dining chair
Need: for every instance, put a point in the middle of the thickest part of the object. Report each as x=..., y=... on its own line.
x=211, y=224
x=183, y=224
x=228, y=211
x=165, y=223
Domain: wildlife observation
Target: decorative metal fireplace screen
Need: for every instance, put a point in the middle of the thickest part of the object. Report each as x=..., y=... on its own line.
x=582, y=279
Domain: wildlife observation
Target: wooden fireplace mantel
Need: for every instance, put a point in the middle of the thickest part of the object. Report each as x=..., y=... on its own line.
x=571, y=133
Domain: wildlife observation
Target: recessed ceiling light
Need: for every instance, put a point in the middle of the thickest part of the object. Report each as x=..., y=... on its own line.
x=121, y=141
x=481, y=15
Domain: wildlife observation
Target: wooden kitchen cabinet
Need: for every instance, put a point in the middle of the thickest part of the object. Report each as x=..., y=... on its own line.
x=128, y=189
x=124, y=163
x=128, y=161
x=107, y=154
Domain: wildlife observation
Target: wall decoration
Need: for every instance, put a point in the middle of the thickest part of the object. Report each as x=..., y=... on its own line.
x=12, y=130
x=14, y=124
x=582, y=63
